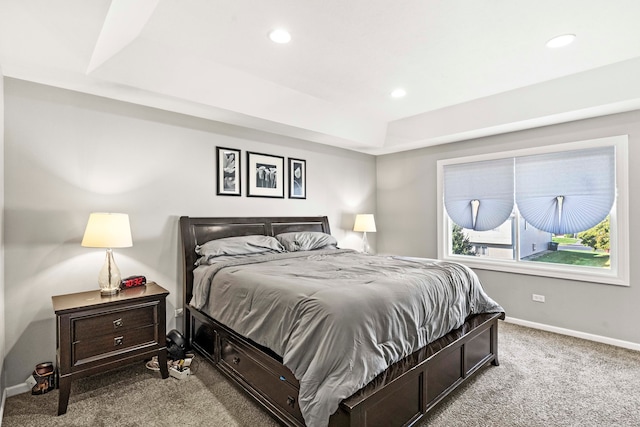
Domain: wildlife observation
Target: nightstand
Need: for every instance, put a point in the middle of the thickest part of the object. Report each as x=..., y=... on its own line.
x=96, y=333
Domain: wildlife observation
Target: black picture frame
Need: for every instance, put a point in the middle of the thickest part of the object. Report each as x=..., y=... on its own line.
x=228, y=182
x=265, y=175
x=297, y=178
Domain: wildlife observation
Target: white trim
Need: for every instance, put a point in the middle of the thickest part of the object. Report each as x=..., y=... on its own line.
x=577, y=334
x=17, y=389
x=4, y=399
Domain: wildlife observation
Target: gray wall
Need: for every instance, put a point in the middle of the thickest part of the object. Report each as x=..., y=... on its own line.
x=68, y=154
x=407, y=208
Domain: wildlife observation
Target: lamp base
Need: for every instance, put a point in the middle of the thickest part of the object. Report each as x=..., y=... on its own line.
x=109, y=292
x=109, y=277
x=365, y=243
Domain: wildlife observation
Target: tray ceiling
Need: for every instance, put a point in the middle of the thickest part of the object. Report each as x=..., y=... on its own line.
x=470, y=68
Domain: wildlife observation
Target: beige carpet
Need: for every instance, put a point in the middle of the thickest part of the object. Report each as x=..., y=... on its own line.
x=544, y=379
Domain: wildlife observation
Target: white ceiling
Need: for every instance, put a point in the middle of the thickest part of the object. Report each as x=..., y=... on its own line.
x=470, y=67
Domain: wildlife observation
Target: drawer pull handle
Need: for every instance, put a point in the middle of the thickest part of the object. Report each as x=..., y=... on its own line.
x=291, y=401
x=236, y=360
x=117, y=323
x=118, y=341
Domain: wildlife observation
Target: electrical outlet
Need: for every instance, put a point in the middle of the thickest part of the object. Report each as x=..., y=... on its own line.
x=179, y=312
x=538, y=298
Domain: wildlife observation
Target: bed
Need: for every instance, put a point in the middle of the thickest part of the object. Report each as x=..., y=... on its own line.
x=262, y=362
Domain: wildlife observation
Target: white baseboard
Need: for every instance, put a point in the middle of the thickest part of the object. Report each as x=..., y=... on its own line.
x=577, y=334
x=17, y=389
x=4, y=399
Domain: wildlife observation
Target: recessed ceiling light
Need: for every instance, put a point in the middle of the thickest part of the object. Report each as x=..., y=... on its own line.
x=398, y=93
x=561, y=41
x=280, y=35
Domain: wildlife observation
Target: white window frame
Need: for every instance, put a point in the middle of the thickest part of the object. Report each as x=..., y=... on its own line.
x=618, y=274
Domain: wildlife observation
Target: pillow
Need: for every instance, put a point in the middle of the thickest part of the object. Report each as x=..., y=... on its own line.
x=210, y=260
x=307, y=241
x=240, y=245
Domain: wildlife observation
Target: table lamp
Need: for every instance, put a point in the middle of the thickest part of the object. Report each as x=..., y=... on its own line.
x=108, y=230
x=364, y=223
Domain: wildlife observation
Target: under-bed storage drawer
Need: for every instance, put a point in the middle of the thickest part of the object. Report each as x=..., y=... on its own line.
x=278, y=385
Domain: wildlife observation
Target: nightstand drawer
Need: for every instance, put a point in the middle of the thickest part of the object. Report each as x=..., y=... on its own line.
x=113, y=322
x=105, y=345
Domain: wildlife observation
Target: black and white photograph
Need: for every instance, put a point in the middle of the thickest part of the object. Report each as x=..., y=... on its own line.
x=297, y=179
x=265, y=175
x=228, y=176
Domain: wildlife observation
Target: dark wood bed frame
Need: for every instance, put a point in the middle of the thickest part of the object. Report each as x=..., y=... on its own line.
x=400, y=396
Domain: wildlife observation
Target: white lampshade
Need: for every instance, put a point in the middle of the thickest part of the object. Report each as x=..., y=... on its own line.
x=365, y=223
x=107, y=230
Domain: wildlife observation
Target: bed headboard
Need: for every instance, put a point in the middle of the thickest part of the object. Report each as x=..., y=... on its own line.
x=195, y=231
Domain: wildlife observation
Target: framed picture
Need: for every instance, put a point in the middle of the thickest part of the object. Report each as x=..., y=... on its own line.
x=228, y=177
x=265, y=175
x=297, y=179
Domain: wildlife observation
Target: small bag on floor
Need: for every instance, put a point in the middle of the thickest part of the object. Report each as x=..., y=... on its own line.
x=45, y=376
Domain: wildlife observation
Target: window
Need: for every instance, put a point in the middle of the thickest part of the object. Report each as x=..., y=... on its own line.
x=558, y=211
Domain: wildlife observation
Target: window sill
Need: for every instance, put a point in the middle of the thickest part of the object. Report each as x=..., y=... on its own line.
x=556, y=271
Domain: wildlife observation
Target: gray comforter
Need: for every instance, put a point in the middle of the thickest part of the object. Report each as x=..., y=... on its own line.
x=338, y=318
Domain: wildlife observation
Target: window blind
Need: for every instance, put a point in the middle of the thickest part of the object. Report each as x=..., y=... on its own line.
x=562, y=193
x=566, y=192
x=479, y=195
